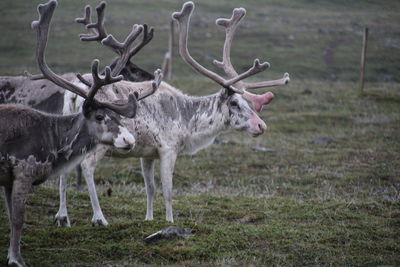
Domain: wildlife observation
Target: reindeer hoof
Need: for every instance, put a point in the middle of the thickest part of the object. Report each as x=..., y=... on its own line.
x=15, y=263
x=99, y=222
x=62, y=221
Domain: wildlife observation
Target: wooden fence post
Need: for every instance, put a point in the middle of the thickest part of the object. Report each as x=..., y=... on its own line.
x=363, y=59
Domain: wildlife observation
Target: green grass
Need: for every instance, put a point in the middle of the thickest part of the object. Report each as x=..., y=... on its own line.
x=303, y=203
x=299, y=203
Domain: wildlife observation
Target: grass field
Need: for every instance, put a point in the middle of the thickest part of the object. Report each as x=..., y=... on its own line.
x=321, y=187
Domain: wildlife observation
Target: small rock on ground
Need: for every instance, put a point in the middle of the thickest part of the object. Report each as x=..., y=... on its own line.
x=263, y=149
x=170, y=232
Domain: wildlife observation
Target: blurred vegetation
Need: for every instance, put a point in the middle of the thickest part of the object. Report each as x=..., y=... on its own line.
x=310, y=39
x=321, y=187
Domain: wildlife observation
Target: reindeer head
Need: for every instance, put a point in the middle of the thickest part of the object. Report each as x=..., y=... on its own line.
x=105, y=119
x=239, y=115
x=107, y=127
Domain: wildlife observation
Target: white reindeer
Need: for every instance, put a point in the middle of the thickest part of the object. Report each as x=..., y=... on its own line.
x=35, y=146
x=169, y=123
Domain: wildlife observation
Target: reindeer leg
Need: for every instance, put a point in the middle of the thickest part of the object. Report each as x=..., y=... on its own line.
x=62, y=215
x=19, y=193
x=7, y=195
x=88, y=166
x=148, y=175
x=167, y=164
x=79, y=186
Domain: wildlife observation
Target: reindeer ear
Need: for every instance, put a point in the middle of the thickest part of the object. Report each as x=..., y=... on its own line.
x=88, y=106
x=225, y=93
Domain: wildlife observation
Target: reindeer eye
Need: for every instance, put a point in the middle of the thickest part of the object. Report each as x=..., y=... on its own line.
x=234, y=104
x=99, y=117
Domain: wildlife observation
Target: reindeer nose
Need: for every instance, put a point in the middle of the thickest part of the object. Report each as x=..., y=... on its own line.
x=128, y=143
x=124, y=139
x=262, y=127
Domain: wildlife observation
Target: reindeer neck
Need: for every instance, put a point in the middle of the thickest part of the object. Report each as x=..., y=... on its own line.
x=74, y=136
x=206, y=122
x=209, y=117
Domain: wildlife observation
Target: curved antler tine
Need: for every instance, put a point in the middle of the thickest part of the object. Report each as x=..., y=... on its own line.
x=98, y=82
x=148, y=35
x=99, y=25
x=136, y=30
x=237, y=16
x=33, y=77
x=45, y=15
x=283, y=81
x=125, y=48
x=230, y=30
x=42, y=27
x=83, y=80
x=109, y=78
x=183, y=18
x=158, y=76
x=186, y=11
x=87, y=18
x=127, y=109
x=97, y=30
x=256, y=68
x=259, y=101
x=113, y=43
x=148, y=88
x=96, y=79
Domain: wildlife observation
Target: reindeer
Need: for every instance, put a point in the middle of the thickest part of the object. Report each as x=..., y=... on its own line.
x=35, y=146
x=169, y=123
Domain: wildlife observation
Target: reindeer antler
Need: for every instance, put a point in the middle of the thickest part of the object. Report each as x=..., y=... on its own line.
x=226, y=64
x=123, y=48
x=97, y=32
x=231, y=25
x=42, y=28
x=183, y=19
x=158, y=76
x=235, y=82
